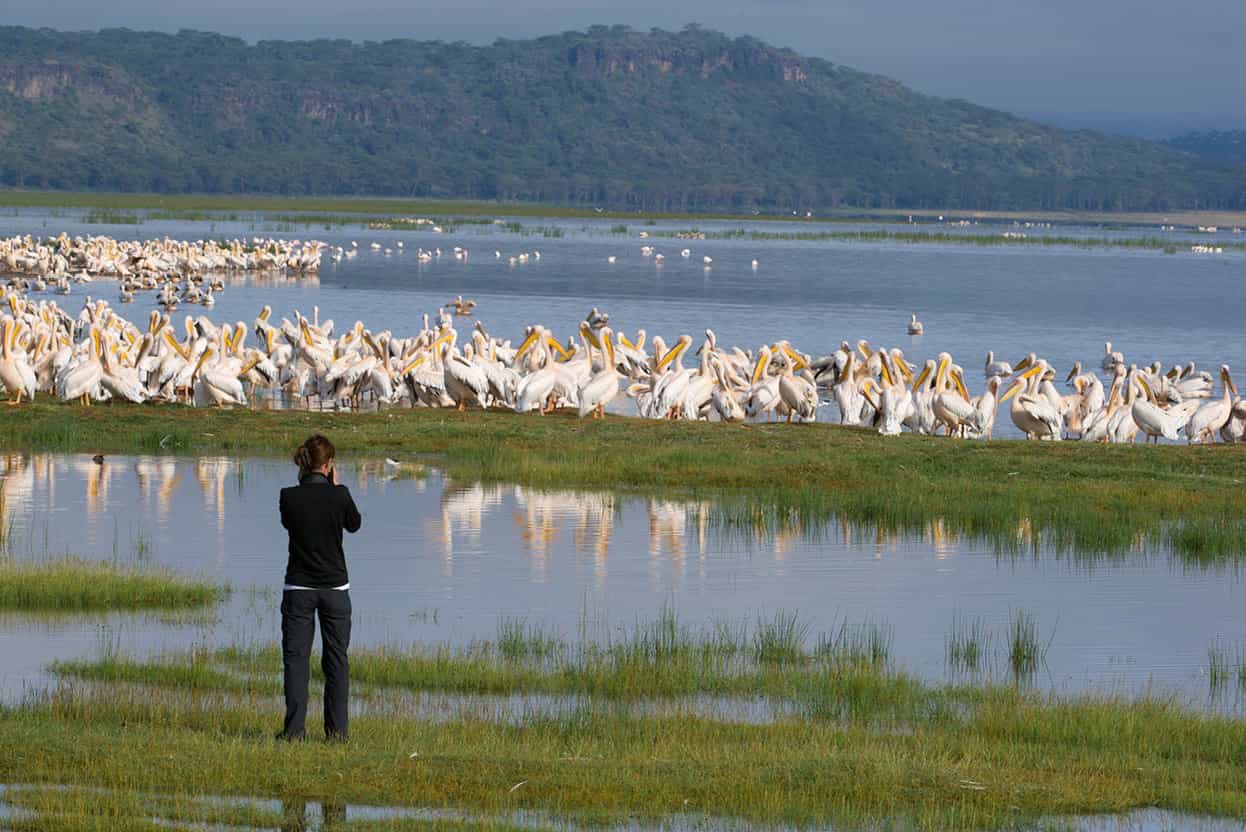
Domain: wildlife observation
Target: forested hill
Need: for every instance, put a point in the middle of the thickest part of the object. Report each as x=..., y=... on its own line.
x=1222, y=145
x=692, y=120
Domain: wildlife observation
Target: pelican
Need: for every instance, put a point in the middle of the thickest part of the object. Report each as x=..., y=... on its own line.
x=915, y=326
x=1031, y=412
x=1215, y=415
x=462, y=308
x=15, y=373
x=996, y=368
x=1111, y=359
x=951, y=404
x=466, y=382
x=598, y=391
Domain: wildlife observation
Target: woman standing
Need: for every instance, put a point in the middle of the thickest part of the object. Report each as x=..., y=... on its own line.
x=315, y=512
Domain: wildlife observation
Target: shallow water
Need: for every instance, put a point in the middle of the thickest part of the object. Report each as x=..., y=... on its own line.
x=444, y=562
x=304, y=815
x=1060, y=302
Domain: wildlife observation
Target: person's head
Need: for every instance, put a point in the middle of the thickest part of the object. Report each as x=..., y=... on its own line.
x=315, y=455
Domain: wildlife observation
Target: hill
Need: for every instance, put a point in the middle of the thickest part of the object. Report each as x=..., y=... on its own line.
x=682, y=121
x=1220, y=145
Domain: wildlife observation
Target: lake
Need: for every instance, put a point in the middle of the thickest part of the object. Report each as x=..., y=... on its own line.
x=446, y=562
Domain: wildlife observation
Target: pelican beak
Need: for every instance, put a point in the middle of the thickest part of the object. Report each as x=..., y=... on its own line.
x=250, y=365
x=867, y=390
x=527, y=344
x=265, y=312
x=557, y=347
x=921, y=379
x=760, y=367
x=886, y=372
x=1146, y=388
x=1021, y=365
x=623, y=340
x=1072, y=374
x=1033, y=371
x=960, y=385
x=1012, y=391
x=415, y=362
x=905, y=370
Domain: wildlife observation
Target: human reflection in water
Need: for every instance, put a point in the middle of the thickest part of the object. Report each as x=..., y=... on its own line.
x=294, y=816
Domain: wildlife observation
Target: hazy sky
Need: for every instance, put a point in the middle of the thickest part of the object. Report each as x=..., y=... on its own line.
x=1146, y=65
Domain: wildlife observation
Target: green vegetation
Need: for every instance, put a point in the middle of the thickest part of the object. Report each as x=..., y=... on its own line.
x=690, y=121
x=1079, y=498
x=832, y=741
x=951, y=238
x=969, y=644
x=69, y=584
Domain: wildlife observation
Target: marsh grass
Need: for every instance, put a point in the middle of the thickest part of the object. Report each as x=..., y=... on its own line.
x=1025, y=651
x=1219, y=664
x=872, y=747
x=968, y=645
x=67, y=584
x=865, y=646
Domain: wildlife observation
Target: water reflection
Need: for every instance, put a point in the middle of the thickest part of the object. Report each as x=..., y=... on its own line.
x=443, y=560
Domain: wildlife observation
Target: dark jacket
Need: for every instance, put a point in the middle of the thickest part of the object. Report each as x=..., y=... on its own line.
x=315, y=512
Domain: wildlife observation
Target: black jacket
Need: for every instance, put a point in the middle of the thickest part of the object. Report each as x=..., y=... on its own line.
x=315, y=512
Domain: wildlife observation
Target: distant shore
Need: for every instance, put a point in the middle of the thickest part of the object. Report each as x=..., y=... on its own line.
x=389, y=206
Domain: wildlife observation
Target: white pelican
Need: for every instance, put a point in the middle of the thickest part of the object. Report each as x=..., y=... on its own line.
x=915, y=326
x=951, y=404
x=724, y=399
x=996, y=368
x=1111, y=359
x=466, y=382
x=15, y=373
x=1213, y=416
x=602, y=386
x=1032, y=413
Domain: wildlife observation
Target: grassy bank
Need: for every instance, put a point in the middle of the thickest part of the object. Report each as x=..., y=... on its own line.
x=863, y=743
x=70, y=584
x=1071, y=496
x=997, y=238
x=175, y=203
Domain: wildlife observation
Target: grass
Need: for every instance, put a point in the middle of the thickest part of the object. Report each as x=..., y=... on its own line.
x=1071, y=497
x=202, y=203
x=860, y=744
x=70, y=584
x=951, y=238
x=969, y=644
x=1025, y=651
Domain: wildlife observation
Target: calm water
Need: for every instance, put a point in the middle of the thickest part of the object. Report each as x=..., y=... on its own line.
x=1062, y=303
x=444, y=562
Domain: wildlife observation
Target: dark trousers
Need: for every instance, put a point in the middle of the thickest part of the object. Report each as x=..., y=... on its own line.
x=299, y=608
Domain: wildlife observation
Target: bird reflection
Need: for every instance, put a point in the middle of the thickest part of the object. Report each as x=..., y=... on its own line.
x=945, y=543
x=463, y=509
x=211, y=472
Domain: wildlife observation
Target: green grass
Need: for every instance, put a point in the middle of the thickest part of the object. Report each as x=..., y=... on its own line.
x=1085, y=499
x=70, y=584
x=968, y=646
x=861, y=743
x=1025, y=651
x=996, y=238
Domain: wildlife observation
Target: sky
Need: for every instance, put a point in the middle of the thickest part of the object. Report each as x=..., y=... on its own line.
x=1147, y=67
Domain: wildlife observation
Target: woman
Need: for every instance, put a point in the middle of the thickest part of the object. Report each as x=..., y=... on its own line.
x=315, y=512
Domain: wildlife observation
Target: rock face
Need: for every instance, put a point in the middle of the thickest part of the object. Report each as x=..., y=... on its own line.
x=610, y=117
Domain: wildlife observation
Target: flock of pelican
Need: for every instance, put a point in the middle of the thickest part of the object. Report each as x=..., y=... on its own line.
x=98, y=355
x=181, y=271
